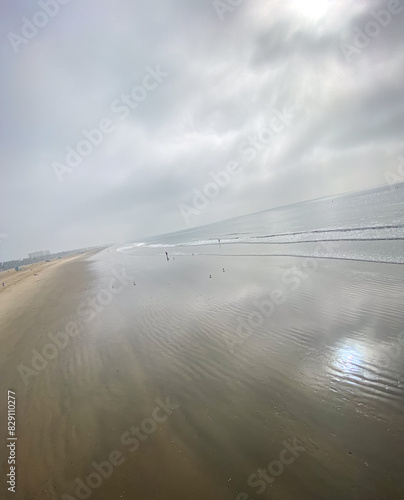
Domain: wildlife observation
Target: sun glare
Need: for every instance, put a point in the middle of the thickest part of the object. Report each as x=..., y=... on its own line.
x=312, y=9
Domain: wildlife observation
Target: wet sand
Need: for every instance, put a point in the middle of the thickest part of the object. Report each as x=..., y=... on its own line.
x=271, y=353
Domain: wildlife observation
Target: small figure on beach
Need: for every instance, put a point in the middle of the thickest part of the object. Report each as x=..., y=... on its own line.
x=3, y=283
x=223, y=270
x=167, y=256
x=210, y=275
x=218, y=240
x=134, y=284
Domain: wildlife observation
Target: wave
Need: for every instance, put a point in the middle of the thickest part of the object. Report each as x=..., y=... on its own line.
x=130, y=247
x=371, y=233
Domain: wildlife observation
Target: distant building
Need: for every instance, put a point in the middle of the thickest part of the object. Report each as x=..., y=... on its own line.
x=41, y=253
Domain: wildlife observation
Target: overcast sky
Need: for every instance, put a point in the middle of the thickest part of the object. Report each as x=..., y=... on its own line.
x=220, y=77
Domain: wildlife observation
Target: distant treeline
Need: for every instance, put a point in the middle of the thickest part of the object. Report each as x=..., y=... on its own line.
x=11, y=264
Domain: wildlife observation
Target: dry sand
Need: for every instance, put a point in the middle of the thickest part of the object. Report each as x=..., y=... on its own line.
x=28, y=279
x=310, y=371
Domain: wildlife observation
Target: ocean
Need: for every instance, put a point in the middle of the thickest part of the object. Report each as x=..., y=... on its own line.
x=363, y=225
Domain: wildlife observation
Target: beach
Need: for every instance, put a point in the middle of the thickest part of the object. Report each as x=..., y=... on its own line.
x=210, y=375
x=202, y=250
